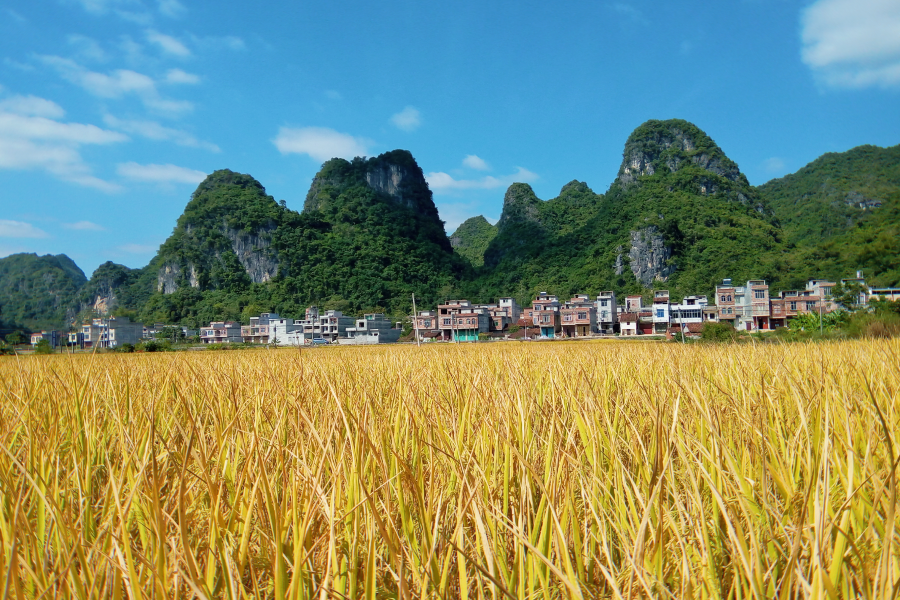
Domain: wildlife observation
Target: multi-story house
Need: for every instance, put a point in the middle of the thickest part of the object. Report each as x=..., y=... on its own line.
x=747, y=307
x=725, y=302
x=634, y=304
x=328, y=326
x=545, y=314
x=220, y=332
x=578, y=317
x=258, y=332
x=460, y=320
x=108, y=332
x=689, y=310
x=661, y=311
x=607, y=312
x=52, y=337
x=822, y=289
x=373, y=328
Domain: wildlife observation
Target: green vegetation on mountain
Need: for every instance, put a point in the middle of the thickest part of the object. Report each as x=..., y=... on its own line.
x=368, y=238
x=36, y=291
x=471, y=239
x=680, y=215
x=841, y=213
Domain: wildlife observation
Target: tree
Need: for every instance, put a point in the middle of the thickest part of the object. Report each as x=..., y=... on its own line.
x=16, y=337
x=43, y=347
x=848, y=295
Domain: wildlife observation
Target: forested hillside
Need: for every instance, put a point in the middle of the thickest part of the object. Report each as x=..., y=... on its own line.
x=679, y=215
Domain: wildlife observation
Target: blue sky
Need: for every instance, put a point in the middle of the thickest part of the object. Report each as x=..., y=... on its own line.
x=111, y=111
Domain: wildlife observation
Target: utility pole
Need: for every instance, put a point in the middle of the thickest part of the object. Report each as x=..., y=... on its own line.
x=416, y=321
x=821, y=324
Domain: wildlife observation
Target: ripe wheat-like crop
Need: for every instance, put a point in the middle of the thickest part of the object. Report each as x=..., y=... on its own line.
x=542, y=470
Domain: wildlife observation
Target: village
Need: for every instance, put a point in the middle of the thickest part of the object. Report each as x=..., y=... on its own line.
x=748, y=307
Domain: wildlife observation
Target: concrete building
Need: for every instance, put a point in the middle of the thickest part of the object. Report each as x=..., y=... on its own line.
x=374, y=328
x=688, y=311
x=54, y=338
x=330, y=325
x=661, y=311
x=884, y=293
x=258, y=332
x=634, y=304
x=545, y=315
x=108, y=332
x=220, y=332
x=628, y=324
x=578, y=317
x=460, y=320
x=607, y=312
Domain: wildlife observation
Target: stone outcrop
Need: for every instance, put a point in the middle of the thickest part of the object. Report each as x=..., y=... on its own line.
x=670, y=145
x=649, y=256
x=254, y=253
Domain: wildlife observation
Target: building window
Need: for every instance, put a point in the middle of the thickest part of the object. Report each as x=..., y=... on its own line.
x=759, y=294
x=722, y=298
x=582, y=315
x=793, y=305
x=604, y=303
x=660, y=313
x=446, y=321
x=810, y=305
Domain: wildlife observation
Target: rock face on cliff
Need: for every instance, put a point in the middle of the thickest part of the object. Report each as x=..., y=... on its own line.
x=679, y=215
x=223, y=239
x=394, y=176
x=671, y=145
x=649, y=256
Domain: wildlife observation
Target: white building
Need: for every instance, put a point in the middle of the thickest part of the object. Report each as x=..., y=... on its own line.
x=607, y=312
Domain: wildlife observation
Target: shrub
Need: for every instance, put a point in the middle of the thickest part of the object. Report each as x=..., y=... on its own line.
x=718, y=332
x=43, y=347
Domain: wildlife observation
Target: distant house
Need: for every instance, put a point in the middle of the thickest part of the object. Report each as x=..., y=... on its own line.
x=373, y=328
x=108, y=332
x=52, y=337
x=220, y=332
x=545, y=315
x=607, y=312
x=628, y=324
x=257, y=332
x=460, y=320
x=578, y=317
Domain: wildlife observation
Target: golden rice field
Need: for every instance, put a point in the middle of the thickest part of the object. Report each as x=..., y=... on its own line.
x=539, y=470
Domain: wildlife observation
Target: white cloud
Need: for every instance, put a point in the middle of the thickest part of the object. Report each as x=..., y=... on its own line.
x=84, y=226
x=320, y=143
x=171, y=8
x=29, y=141
x=87, y=48
x=118, y=7
x=32, y=106
x=168, y=44
x=853, y=43
x=158, y=132
x=773, y=165
x=474, y=162
x=160, y=173
x=18, y=229
x=20, y=66
x=179, y=76
x=441, y=182
x=220, y=42
x=407, y=119
x=119, y=83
